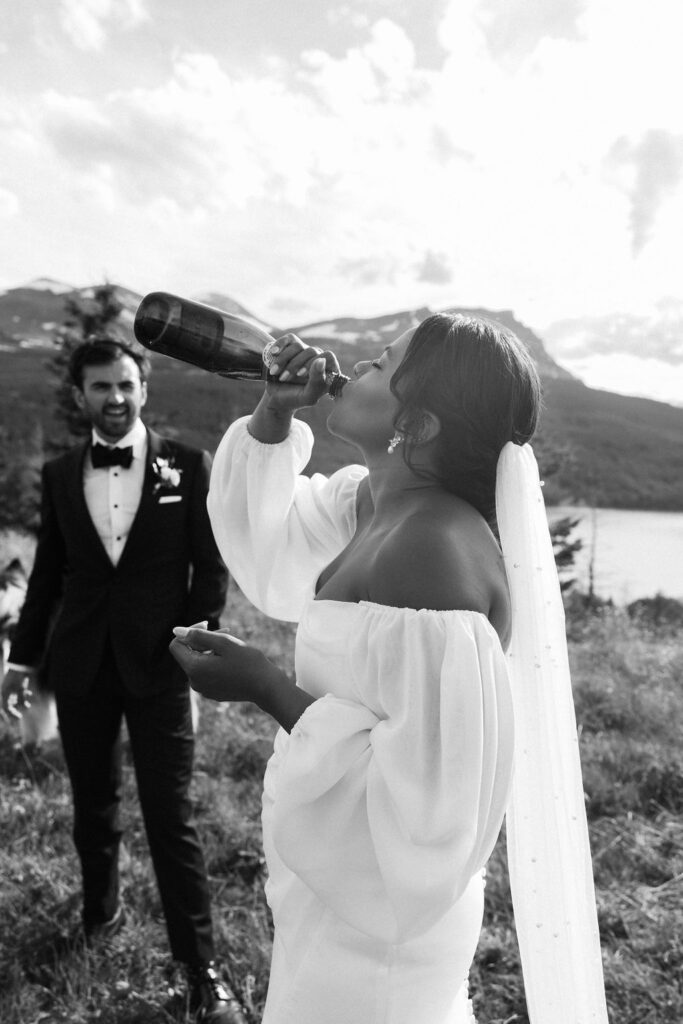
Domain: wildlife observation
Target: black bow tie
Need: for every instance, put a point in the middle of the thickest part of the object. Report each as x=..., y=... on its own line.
x=104, y=456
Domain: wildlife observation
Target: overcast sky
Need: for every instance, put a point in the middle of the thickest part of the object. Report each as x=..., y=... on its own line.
x=313, y=159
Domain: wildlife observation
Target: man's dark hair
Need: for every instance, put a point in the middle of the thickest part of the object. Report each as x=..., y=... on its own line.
x=101, y=352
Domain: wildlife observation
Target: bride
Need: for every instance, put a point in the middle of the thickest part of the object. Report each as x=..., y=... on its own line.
x=429, y=663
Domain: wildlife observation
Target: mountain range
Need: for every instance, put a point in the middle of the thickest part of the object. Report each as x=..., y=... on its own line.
x=635, y=353
x=595, y=447
x=30, y=314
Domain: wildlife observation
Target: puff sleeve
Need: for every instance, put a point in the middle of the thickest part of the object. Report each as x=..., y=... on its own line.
x=387, y=805
x=276, y=529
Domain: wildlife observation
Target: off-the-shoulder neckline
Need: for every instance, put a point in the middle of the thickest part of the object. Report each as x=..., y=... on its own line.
x=395, y=608
x=416, y=613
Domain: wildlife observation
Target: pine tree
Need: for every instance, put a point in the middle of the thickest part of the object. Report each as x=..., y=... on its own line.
x=553, y=455
x=565, y=549
x=87, y=317
x=21, y=459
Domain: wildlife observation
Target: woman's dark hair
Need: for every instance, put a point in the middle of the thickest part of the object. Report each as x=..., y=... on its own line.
x=101, y=352
x=481, y=382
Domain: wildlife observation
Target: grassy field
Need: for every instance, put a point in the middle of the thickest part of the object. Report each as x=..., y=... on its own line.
x=627, y=683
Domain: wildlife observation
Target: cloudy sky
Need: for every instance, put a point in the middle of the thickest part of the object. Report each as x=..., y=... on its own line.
x=313, y=159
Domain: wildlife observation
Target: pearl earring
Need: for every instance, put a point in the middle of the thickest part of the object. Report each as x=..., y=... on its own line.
x=394, y=443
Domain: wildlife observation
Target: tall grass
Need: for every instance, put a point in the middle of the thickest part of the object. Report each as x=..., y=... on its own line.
x=629, y=703
x=627, y=684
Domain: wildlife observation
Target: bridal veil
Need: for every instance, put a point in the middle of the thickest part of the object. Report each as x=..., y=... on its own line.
x=551, y=876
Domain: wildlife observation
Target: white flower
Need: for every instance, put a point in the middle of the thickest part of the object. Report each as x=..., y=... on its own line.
x=166, y=473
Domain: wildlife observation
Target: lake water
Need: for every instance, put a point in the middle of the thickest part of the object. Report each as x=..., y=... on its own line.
x=637, y=554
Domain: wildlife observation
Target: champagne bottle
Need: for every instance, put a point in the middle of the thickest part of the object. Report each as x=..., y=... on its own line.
x=212, y=339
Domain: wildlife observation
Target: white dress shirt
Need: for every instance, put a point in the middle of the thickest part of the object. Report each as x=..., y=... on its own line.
x=112, y=493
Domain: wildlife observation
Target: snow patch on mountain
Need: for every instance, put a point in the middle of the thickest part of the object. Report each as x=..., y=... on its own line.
x=47, y=284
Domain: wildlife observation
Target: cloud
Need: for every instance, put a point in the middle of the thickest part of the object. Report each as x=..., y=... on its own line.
x=390, y=52
x=9, y=204
x=86, y=21
x=645, y=377
x=435, y=268
x=657, y=335
x=269, y=169
x=515, y=28
x=287, y=305
x=445, y=147
x=627, y=353
x=651, y=170
x=199, y=139
x=206, y=138
x=383, y=70
x=369, y=271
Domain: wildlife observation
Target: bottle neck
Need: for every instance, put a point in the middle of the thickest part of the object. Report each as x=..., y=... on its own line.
x=337, y=384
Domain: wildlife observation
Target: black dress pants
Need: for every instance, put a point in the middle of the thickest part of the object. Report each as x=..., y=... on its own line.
x=162, y=745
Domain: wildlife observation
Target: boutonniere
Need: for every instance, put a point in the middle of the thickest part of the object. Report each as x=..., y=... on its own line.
x=166, y=473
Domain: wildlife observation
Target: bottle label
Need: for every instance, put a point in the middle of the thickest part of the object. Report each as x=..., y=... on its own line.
x=268, y=357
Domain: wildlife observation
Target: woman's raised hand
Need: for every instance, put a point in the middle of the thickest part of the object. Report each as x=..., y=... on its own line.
x=296, y=363
x=290, y=360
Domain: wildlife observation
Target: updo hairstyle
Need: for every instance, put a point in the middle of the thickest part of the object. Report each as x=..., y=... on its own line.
x=481, y=382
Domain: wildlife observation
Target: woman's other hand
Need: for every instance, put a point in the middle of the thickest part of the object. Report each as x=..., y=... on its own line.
x=222, y=667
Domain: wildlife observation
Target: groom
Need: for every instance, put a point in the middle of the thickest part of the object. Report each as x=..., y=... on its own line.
x=125, y=552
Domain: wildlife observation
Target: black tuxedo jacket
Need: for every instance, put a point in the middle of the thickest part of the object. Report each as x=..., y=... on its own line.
x=170, y=573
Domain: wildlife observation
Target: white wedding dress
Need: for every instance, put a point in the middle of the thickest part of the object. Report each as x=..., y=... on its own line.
x=382, y=807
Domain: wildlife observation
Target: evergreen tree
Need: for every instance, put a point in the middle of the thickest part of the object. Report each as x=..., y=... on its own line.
x=553, y=456
x=565, y=549
x=21, y=460
x=86, y=317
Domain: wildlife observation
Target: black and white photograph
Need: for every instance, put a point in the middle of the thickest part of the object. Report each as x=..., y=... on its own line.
x=341, y=512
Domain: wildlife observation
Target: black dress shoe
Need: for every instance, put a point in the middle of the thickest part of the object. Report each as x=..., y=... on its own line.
x=103, y=931
x=211, y=1000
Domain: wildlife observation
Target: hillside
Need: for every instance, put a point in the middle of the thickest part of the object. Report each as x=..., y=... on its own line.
x=30, y=313
x=620, y=452
x=614, y=451
x=623, y=452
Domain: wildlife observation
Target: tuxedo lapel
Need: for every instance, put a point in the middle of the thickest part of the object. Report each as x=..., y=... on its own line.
x=78, y=507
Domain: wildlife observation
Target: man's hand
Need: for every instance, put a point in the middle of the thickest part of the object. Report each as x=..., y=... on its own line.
x=223, y=668
x=18, y=688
